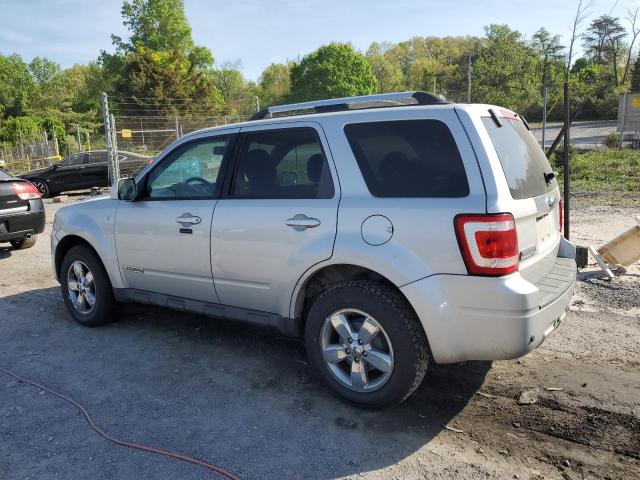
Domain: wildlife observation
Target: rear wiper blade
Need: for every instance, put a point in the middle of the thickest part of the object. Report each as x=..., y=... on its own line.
x=549, y=176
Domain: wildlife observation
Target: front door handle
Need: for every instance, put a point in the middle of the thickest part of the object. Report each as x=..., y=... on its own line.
x=187, y=220
x=301, y=222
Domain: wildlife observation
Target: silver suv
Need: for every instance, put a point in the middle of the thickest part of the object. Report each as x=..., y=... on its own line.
x=390, y=231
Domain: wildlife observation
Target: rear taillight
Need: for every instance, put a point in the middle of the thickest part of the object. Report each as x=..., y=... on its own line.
x=25, y=191
x=561, y=214
x=488, y=243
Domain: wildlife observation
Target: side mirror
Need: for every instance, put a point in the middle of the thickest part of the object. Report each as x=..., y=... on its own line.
x=126, y=189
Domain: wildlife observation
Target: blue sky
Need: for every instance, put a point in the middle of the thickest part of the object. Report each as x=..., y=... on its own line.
x=259, y=32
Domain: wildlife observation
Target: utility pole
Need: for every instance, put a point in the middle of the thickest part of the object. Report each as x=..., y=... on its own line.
x=78, y=137
x=469, y=70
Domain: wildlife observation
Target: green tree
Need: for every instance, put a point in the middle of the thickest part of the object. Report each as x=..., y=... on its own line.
x=604, y=42
x=334, y=70
x=386, y=69
x=161, y=25
x=160, y=62
x=15, y=85
x=274, y=84
x=635, y=75
x=505, y=71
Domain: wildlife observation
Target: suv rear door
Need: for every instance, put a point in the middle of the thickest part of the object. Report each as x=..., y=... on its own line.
x=532, y=194
x=278, y=217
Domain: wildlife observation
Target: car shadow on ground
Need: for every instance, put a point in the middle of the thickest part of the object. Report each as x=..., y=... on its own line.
x=239, y=396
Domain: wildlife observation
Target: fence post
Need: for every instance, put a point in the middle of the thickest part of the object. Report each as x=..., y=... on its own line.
x=177, y=128
x=107, y=135
x=114, y=147
x=565, y=159
x=624, y=112
x=55, y=145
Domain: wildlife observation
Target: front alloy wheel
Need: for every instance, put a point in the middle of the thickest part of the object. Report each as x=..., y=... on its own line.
x=357, y=350
x=86, y=288
x=81, y=287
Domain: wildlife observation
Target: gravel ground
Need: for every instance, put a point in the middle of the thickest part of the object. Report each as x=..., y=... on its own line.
x=244, y=398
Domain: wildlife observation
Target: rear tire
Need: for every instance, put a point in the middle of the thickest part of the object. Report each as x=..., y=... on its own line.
x=28, y=241
x=86, y=288
x=386, y=358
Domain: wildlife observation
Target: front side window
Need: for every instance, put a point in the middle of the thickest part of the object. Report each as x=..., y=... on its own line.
x=283, y=164
x=191, y=171
x=408, y=158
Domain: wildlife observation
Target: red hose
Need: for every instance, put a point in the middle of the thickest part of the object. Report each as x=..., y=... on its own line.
x=177, y=456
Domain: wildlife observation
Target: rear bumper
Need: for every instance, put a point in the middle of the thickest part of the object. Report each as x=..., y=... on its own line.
x=484, y=318
x=15, y=226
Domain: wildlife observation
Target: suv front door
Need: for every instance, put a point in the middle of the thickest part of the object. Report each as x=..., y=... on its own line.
x=163, y=237
x=279, y=217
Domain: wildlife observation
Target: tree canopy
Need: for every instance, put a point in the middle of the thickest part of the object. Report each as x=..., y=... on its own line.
x=334, y=70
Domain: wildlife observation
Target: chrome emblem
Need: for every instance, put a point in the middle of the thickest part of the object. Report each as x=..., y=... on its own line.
x=551, y=201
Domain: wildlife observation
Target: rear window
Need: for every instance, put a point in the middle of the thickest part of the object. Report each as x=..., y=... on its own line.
x=523, y=161
x=4, y=175
x=408, y=158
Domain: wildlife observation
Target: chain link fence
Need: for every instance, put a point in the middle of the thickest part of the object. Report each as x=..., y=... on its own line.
x=29, y=156
x=137, y=140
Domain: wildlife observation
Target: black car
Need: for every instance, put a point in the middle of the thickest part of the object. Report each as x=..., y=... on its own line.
x=21, y=211
x=82, y=171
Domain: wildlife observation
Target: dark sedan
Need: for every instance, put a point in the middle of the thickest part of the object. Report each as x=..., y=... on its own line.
x=81, y=171
x=21, y=211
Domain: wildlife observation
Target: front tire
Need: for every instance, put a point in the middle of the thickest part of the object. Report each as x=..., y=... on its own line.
x=86, y=288
x=366, y=342
x=25, y=242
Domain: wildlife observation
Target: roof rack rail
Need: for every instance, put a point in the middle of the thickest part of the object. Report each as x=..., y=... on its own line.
x=396, y=99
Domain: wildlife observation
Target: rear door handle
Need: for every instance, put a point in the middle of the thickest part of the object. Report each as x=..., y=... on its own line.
x=187, y=220
x=301, y=222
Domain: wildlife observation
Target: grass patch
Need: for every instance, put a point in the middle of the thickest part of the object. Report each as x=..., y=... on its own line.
x=613, y=174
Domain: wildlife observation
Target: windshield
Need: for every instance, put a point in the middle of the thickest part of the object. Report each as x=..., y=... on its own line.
x=524, y=163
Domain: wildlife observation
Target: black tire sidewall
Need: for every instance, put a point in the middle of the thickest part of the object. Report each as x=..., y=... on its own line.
x=103, y=309
x=393, y=313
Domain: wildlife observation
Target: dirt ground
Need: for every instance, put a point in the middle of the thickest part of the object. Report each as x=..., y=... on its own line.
x=244, y=398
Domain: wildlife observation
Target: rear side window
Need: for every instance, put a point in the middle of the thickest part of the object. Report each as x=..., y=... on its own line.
x=408, y=158
x=523, y=161
x=283, y=164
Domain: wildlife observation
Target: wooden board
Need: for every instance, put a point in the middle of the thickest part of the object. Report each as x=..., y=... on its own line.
x=624, y=249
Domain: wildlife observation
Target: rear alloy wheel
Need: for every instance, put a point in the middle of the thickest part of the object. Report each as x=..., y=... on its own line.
x=366, y=342
x=28, y=241
x=42, y=186
x=86, y=288
x=357, y=350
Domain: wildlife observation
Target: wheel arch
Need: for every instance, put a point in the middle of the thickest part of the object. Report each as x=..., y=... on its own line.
x=66, y=244
x=323, y=277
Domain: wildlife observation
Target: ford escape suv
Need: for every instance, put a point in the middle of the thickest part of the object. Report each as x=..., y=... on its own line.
x=390, y=231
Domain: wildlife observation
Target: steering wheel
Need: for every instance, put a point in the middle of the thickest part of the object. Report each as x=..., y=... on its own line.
x=198, y=180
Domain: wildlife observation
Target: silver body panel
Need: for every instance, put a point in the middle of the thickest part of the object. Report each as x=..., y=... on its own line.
x=244, y=255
